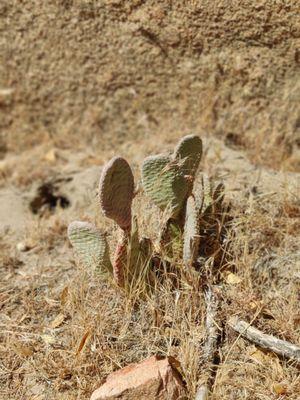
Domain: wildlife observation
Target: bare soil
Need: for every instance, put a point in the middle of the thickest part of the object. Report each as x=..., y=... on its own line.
x=81, y=81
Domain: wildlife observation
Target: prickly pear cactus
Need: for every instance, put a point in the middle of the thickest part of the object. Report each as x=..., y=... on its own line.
x=168, y=179
x=192, y=223
x=191, y=232
x=189, y=151
x=116, y=191
x=120, y=260
x=90, y=246
x=164, y=182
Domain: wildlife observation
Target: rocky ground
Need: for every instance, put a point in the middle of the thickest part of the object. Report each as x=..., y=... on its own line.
x=81, y=81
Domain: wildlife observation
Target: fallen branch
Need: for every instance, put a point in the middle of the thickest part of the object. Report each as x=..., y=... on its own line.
x=268, y=342
x=212, y=330
x=211, y=343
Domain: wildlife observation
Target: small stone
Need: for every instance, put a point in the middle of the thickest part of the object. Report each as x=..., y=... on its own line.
x=51, y=156
x=171, y=36
x=153, y=379
x=22, y=246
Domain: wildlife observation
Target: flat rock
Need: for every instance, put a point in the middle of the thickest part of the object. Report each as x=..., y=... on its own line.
x=154, y=378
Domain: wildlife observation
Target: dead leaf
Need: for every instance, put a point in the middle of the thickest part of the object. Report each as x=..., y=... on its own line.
x=82, y=342
x=280, y=388
x=64, y=296
x=233, y=279
x=262, y=357
x=257, y=355
x=57, y=321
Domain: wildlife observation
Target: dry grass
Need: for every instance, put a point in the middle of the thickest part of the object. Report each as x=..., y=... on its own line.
x=81, y=80
x=63, y=330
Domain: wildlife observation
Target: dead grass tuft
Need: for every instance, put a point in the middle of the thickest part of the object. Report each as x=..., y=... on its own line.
x=63, y=330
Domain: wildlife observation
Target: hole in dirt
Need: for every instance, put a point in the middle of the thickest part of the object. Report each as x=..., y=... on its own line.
x=47, y=199
x=234, y=141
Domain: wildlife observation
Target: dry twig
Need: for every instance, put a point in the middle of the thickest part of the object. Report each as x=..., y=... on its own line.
x=278, y=346
x=211, y=344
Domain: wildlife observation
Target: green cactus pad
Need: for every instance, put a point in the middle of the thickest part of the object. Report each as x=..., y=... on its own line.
x=116, y=191
x=90, y=245
x=189, y=150
x=165, y=183
x=168, y=180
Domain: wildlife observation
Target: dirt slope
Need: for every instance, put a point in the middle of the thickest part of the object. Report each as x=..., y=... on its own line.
x=103, y=70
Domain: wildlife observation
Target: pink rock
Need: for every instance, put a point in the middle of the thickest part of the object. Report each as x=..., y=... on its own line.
x=152, y=379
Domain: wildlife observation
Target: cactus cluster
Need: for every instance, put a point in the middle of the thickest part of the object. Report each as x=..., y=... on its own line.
x=172, y=182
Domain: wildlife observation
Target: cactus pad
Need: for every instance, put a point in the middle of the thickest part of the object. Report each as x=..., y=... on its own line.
x=168, y=179
x=191, y=232
x=189, y=150
x=116, y=191
x=90, y=245
x=164, y=182
x=192, y=223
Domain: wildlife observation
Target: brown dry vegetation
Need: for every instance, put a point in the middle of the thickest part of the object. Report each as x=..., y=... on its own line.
x=81, y=81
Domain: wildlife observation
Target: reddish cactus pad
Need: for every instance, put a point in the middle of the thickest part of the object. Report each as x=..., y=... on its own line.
x=116, y=191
